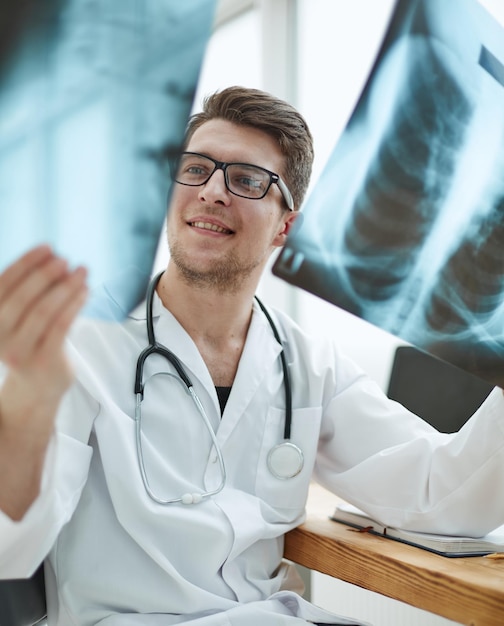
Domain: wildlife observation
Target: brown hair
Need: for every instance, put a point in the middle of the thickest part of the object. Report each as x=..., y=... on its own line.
x=280, y=120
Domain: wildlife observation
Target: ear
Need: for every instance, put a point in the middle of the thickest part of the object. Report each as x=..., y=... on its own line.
x=287, y=222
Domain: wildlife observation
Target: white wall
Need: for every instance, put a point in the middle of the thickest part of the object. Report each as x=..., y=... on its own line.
x=337, y=48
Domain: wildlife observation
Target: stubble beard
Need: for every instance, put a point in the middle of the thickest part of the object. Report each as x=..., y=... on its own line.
x=224, y=276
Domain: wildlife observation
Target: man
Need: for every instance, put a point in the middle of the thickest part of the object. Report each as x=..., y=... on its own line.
x=160, y=494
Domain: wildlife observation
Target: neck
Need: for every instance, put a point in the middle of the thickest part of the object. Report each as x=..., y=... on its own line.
x=217, y=322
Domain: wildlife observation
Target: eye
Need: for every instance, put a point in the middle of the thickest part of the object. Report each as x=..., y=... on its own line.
x=248, y=180
x=194, y=169
x=248, y=183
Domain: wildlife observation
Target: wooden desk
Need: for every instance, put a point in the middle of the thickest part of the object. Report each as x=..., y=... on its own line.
x=466, y=590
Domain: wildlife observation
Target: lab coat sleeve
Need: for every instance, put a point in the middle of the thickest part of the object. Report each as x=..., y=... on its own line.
x=25, y=543
x=392, y=464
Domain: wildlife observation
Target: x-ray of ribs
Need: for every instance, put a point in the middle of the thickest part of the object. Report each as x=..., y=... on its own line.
x=470, y=287
x=408, y=180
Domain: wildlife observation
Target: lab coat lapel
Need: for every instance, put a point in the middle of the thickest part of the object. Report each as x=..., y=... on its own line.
x=260, y=351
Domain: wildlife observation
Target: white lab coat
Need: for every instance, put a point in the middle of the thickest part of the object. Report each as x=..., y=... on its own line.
x=116, y=558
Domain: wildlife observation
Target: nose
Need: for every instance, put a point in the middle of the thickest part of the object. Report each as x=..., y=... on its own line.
x=215, y=189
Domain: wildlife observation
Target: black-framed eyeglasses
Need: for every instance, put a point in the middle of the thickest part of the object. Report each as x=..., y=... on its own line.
x=242, y=179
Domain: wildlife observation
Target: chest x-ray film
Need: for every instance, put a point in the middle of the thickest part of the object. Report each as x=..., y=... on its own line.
x=94, y=99
x=405, y=227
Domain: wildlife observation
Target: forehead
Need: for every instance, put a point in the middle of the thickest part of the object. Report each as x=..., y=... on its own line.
x=226, y=141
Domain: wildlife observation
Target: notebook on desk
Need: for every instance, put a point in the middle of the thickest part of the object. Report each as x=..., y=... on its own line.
x=445, y=545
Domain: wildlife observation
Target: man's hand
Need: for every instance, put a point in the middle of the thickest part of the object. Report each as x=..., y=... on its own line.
x=39, y=299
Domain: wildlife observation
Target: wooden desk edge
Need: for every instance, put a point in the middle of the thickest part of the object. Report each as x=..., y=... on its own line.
x=467, y=590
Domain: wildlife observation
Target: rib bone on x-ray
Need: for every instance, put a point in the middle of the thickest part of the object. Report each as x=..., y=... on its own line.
x=94, y=99
x=405, y=227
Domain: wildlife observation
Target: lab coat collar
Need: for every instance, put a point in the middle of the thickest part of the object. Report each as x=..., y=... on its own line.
x=260, y=351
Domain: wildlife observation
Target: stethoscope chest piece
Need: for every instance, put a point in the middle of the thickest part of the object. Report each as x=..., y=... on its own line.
x=285, y=460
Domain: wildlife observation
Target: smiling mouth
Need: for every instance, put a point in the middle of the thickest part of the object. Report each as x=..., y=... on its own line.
x=212, y=227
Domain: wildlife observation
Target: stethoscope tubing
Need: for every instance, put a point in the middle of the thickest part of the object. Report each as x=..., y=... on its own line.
x=156, y=348
x=286, y=374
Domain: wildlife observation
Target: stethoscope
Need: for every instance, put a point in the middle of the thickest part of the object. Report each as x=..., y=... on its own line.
x=285, y=460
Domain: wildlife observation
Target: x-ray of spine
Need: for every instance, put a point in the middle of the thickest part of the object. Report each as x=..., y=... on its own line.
x=94, y=100
x=405, y=227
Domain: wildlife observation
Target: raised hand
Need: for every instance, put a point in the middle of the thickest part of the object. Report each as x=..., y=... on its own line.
x=39, y=299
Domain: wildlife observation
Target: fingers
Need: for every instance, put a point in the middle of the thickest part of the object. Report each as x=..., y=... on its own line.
x=64, y=307
x=39, y=299
x=44, y=328
x=18, y=270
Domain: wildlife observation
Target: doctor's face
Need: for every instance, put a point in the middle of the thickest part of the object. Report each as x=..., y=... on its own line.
x=216, y=237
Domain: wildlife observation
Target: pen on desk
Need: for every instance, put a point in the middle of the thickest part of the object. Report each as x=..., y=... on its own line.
x=364, y=529
x=497, y=556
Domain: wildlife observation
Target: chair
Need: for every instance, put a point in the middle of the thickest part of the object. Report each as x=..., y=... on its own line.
x=443, y=395
x=23, y=601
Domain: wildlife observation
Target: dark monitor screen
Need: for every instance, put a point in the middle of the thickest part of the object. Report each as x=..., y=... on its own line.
x=443, y=395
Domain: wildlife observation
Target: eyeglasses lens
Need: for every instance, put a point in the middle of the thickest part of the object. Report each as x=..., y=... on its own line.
x=243, y=180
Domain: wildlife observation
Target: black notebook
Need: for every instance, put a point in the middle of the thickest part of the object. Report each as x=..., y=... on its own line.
x=445, y=545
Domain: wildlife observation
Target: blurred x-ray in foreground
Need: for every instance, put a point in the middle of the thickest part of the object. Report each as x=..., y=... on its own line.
x=94, y=100
x=405, y=227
